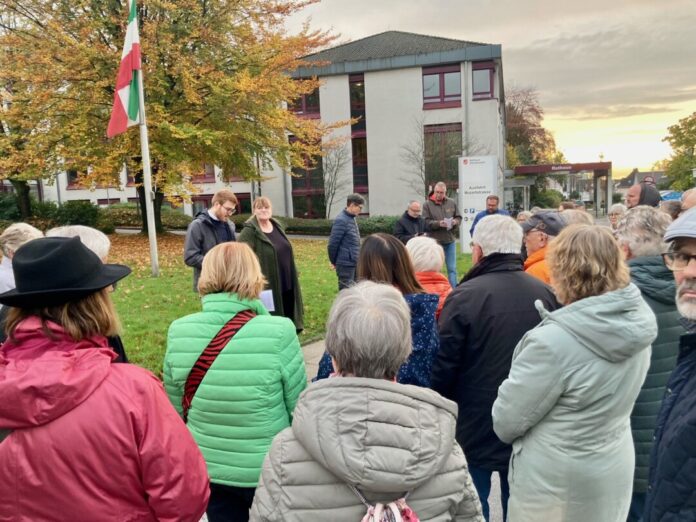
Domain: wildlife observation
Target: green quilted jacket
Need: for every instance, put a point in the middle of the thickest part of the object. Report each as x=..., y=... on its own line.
x=656, y=284
x=248, y=394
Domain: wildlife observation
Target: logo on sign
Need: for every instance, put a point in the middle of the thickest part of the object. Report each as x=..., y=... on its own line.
x=465, y=161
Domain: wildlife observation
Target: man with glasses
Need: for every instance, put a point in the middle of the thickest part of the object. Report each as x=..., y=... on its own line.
x=672, y=477
x=344, y=241
x=640, y=234
x=539, y=230
x=442, y=218
x=209, y=228
x=411, y=224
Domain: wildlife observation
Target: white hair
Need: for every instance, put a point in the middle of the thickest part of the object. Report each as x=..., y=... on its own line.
x=574, y=216
x=368, y=331
x=92, y=238
x=16, y=235
x=498, y=234
x=617, y=208
x=642, y=229
x=426, y=255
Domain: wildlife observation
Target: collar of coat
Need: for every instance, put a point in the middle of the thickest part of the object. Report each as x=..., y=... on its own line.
x=495, y=263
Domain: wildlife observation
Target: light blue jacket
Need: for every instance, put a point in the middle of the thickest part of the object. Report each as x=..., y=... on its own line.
x=565, y=408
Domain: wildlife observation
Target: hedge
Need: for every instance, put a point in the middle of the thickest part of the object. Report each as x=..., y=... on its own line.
x=128, y=216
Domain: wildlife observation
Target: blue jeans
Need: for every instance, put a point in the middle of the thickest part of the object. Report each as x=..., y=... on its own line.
x=451, y=261
x=482, y=482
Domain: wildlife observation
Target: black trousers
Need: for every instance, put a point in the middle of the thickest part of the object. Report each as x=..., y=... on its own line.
x=229, y=503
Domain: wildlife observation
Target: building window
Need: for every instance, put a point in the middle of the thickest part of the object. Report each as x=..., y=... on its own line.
x=357, y=102
x=482, y=80
x=104, y=202
x=442, y=87
x=308, y=189
x=443, y=145
x=73, y=183
x=360, y=179
x=207, y=174
x=307, y=105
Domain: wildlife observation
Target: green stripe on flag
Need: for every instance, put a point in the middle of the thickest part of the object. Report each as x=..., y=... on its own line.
x=133, y=97
x=133, y=11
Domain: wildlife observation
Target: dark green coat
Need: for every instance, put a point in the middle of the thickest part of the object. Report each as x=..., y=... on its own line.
x=253, y=236
x=656, y=284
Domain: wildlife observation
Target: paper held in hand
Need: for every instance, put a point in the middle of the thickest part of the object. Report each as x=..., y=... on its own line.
x=448, y=222
x=266, y=298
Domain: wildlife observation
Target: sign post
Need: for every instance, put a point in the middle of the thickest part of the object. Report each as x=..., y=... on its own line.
x=478, y=178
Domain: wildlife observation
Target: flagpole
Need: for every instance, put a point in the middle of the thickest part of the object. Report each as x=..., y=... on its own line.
x=147, y=178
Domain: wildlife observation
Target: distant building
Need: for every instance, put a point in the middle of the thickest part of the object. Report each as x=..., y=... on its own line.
x=417, y=99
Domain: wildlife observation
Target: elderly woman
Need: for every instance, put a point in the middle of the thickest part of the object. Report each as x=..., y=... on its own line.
x=566, y=403
x=11, y=239
x=616, y=211
x=383, y=259
x=523, y=216
x=360, y=440
x=267, y=239
x=235, y=406
x=84, y=439
x=427, y=258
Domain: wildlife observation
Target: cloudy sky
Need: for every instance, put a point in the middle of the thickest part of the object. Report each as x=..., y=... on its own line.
x=612, y=74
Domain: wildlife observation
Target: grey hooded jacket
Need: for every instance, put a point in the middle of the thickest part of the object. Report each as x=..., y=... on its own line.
x=384, y=438
x=565, y=408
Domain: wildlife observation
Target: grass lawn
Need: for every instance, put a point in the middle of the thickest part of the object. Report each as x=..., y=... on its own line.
x=148, y=305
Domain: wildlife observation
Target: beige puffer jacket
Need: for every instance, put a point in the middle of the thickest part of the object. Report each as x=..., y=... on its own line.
x=384, y=438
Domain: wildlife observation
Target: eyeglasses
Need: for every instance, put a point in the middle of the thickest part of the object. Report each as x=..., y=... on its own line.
x=677, y=261
x=229, y=210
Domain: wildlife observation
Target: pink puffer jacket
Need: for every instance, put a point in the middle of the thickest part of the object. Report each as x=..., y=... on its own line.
x=90, y=440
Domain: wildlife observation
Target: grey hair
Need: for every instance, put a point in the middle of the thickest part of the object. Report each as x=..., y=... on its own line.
x=426, y=255
x=440, y=184
x=498, y=234
x=642, y=229
x=524, y=214
x=368, y=332
x=16, y=235
x=412, y=201
x=574, y=216
x=617, y=208
x=92, y=238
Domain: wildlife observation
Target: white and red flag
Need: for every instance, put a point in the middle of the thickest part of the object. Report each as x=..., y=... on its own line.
x=125, y=112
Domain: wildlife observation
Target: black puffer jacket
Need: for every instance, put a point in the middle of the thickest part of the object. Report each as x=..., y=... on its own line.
x=409, y=227
x=481, y=323
x=672, y=487
x=656, y=284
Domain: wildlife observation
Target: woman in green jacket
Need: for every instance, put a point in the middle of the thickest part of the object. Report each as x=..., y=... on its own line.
x=249, y=391
x=267, y=239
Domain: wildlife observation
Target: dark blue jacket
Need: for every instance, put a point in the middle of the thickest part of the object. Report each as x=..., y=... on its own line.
x=409, y=227
x=482, y=215
x=344, y=241
x=672, y=480
x=426, y=342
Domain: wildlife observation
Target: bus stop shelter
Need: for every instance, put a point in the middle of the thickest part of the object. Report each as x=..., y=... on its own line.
x=601, y=178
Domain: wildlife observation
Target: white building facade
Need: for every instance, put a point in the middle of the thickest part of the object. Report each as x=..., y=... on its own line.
x=419, y=102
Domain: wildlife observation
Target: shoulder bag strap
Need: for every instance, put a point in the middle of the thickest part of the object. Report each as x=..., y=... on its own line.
x=208, y=356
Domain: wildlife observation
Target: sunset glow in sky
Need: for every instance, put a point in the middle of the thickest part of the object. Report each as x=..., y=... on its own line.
x=612, y=76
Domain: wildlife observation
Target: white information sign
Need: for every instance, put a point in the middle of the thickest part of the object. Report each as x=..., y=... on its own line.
x=478, y=178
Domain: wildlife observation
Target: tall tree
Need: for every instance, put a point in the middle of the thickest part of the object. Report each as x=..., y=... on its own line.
x=679, y=167
x=217, y=85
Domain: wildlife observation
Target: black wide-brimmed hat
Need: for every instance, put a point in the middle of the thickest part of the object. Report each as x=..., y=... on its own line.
x=53, y=271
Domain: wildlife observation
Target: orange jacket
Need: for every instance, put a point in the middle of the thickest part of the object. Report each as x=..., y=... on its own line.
x=435, y=283
x=536, y=266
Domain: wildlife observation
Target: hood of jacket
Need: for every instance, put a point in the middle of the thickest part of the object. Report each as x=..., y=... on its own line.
x=614, y=326
x=42, y=379
x=422, y=304
x=653, y=278
x=649, y=195
x=436, y=281
x=377, y=435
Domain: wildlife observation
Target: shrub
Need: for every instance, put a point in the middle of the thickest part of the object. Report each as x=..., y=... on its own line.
x=78, y=213
x=8, y=207
x=547, y=198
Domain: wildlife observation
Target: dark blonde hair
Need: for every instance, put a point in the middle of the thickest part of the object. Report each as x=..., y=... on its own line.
x=231, y=267
x=223, y=195
x=91, y=315
x=585, y=261
x=262, y=202
x=384, y=259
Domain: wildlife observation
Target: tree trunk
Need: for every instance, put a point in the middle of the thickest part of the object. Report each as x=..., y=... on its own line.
x=21, y=189
x=157, y=204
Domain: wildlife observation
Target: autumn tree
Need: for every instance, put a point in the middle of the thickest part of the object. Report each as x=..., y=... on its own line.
x=216, y=88
x=679, y=167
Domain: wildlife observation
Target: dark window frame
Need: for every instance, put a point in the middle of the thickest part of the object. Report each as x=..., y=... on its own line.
x=442, y=100
x=483, y=66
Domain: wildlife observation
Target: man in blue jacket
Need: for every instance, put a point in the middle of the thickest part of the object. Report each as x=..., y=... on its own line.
x=344, y=241
x=672, y=477
x=492, y=203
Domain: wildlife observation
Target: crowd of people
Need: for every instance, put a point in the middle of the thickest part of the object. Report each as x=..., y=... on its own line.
x=564, y=360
